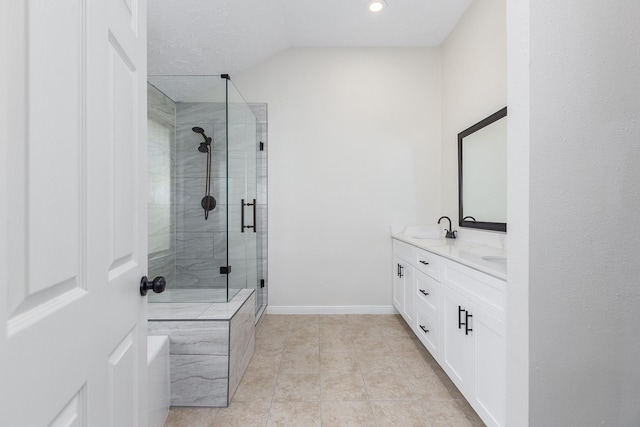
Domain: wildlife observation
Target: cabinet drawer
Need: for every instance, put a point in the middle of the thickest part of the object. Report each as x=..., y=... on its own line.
x=428, y=263
x=428, y=331
x=428, y=292
x=404, y=251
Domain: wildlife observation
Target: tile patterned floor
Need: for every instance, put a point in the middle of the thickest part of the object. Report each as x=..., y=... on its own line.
x=337, y=370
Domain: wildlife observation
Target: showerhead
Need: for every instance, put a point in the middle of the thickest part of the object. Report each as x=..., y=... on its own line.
x=204, y=146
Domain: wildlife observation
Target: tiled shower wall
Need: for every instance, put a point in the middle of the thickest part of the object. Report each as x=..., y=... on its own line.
x=161, y=162
x=201, y=247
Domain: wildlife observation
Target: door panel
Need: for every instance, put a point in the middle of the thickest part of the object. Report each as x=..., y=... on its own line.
x=398, y=285
x=51, y=203
x=454, y=340
x=73, y=340
x=409, y=293
x=242, y=147
x=490, y=361
x=122, y=159
x=53, y=206
x=122, y=368
x=73, y=414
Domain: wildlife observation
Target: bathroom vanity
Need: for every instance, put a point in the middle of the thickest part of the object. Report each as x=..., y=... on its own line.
x=453, y=296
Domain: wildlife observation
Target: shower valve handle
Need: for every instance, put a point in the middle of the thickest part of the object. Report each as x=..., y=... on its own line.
x=157, y=285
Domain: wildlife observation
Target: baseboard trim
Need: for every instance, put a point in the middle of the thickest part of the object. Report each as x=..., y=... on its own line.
x=331, y=309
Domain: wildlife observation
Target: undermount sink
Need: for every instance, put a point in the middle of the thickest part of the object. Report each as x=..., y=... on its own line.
x=425, y=232
x=495, y=258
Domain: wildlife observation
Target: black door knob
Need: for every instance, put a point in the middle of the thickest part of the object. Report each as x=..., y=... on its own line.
x=157, y=285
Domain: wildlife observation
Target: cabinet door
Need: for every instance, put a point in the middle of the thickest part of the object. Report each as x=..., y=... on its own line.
x=398, y=284
x=409, y=311
x=455, y=344
x=489, y=349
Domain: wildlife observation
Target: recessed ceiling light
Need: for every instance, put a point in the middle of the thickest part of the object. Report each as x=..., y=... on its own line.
x=377, y=5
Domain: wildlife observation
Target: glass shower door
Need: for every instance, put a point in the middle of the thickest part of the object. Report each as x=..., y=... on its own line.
x=242, y=146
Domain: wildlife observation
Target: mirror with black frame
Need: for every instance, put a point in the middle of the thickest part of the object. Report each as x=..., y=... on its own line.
x=482, y=174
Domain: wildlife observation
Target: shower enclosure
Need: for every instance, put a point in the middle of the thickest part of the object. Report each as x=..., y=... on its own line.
x=207, y=190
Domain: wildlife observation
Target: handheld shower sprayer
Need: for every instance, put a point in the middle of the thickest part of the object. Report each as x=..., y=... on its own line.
x=208, y=201
x=204, y=146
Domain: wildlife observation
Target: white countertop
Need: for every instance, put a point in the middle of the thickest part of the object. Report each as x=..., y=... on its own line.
x=466, y=253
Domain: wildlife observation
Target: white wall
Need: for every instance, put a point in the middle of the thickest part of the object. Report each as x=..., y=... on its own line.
x=474, y=86
x=354, y=146
x=518, y=213
x=583, y=175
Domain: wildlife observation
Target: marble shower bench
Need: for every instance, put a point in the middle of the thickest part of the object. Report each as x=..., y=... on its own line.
x=211, y=345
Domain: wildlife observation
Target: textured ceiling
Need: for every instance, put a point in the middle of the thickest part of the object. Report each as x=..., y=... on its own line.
x=228, y=36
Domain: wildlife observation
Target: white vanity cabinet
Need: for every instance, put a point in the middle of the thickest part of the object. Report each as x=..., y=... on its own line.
x=474, y=338
x=460, y=317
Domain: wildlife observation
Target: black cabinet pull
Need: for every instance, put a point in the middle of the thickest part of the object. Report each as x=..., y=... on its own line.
x=401, y=268
x=426, y=331
x=397, y=269
x=467, y=329
x=422, y=291
x=424, y=262
x=460, y=310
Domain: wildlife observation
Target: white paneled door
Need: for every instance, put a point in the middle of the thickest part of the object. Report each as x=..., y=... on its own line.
x=73, y=212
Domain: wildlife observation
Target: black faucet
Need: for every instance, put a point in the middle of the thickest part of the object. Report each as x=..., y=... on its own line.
x=450, y=233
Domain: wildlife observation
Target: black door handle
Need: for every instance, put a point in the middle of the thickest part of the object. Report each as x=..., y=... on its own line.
x=157, y=285
x=460, y=310
x=423, y=292
x=401, y=268
x=424, y=262
x=467, y=329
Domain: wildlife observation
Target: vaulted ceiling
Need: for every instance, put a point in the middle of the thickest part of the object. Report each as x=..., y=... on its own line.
x=229, y=36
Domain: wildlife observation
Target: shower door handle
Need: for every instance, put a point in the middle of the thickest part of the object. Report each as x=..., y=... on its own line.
x=242, y=205
x=242, y=216
x=255, y=205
